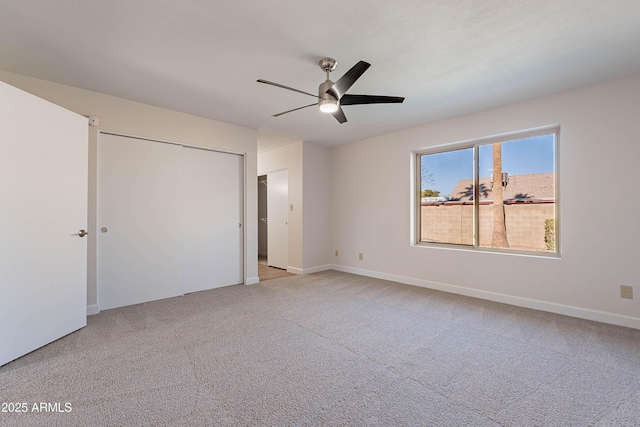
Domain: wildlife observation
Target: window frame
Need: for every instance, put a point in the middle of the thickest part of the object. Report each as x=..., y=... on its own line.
x=475, y=144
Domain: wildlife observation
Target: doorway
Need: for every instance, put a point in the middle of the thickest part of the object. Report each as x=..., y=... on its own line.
x=273, y=236
x=262, y=220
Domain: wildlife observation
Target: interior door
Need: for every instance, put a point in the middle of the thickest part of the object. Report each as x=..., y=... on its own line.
x=43, y=203
x=278, y=219
x=139, y=221
x=262, y=216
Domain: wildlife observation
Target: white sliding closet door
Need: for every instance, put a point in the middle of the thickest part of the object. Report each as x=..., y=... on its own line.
x=213, y=219
x=139, y=221
x=170, y=220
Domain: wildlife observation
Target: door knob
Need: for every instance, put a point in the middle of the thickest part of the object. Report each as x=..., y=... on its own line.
x=80, y=233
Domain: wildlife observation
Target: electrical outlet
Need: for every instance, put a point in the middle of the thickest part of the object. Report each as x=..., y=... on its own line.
x=336, y=252
x=626, y=291
x=360, y=257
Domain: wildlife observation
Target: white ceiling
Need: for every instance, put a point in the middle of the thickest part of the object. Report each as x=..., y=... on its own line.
x=203, y=57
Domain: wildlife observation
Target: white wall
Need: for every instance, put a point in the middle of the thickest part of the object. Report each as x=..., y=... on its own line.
x=128, y=117
x=317, y=207
x=309, y=167
x=599, y=207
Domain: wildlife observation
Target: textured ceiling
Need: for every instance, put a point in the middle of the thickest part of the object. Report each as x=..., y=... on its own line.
x=203, y=57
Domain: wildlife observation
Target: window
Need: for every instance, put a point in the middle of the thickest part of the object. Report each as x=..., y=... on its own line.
x=495, y=193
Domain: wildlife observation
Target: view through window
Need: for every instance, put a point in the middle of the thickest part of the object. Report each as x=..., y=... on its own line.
x=498, y=194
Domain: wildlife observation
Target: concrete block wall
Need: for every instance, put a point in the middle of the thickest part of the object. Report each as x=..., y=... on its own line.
x=454, y=224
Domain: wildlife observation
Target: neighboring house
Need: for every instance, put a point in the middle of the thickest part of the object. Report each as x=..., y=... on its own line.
x=529, y=202
x=536, y=188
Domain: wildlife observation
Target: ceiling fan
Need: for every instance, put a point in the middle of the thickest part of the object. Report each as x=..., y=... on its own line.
x=332, y=96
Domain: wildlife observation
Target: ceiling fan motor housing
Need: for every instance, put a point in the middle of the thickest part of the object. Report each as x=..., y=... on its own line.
x=323, y=88
x=327, y=102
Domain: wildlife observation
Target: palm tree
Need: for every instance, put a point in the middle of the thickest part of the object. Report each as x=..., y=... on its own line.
x=499, y=237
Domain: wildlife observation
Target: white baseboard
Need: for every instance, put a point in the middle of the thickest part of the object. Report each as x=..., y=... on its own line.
x=93, y=309
x=251, y=280
x=567, y=310
x=317, y=269
x=310, y=270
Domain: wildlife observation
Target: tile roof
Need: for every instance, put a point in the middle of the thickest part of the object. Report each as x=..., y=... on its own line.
x=520, y=187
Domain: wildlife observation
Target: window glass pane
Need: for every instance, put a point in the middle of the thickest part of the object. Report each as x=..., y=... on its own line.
x=446, y=190
x=517, y=194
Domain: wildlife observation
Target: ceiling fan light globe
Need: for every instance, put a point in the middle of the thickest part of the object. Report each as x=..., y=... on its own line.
x=328, y=105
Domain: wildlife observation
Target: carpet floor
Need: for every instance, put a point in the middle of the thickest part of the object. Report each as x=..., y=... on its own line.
x=328, y=349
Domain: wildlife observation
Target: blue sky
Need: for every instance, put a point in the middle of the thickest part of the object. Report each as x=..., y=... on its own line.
x=524, y=156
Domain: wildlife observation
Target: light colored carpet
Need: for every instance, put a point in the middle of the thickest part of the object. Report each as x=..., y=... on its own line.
x=331, y=349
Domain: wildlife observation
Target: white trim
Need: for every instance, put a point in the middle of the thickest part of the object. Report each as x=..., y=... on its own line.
x=310, y=270
x=567, y=310
x=245, y=217
x=294, y=270
x=93, y=309
x=475, y=144
x=252, y=280
x=317, y=269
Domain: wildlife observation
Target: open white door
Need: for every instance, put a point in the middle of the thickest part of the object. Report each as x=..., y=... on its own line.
x=43, y=202
x=278, y=219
